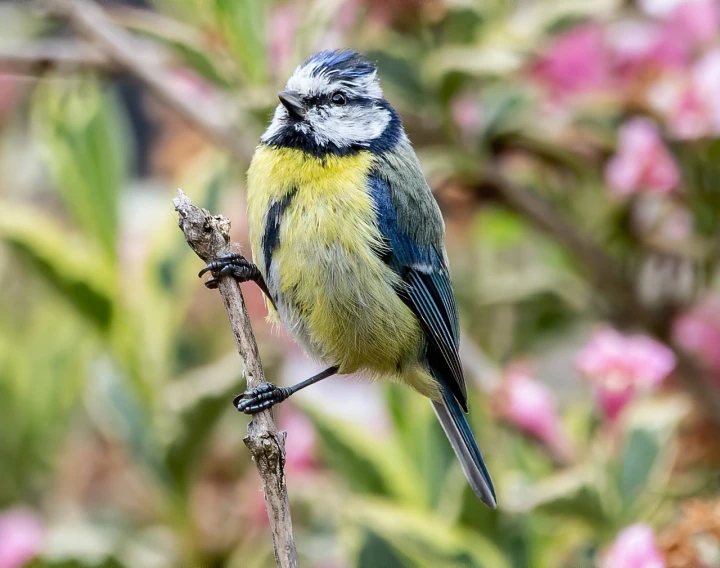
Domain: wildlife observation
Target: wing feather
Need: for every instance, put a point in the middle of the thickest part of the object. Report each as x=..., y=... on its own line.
x=426, y=289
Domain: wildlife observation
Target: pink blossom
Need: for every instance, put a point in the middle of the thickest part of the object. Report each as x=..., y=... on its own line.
x=575, y=63
x=690, y=22
x=21, y=537
x=530, y=406
x=634, y=547
x=690, y=103
x=694, y=21
x=642, y=162
x=698, y=332
x=706, y=82
x=467, y=114
x=621, y=366
x=640, y=47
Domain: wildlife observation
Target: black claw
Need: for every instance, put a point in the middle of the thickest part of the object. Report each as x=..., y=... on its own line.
x=234, y=265
x=261, y=398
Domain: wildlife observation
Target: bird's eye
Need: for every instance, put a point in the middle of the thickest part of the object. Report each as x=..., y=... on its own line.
x=338, y=98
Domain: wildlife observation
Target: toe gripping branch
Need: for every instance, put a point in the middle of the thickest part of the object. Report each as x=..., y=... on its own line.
x=234, y=265
x=261, y=398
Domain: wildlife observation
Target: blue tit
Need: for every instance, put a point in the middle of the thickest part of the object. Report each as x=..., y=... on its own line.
x=348, y=244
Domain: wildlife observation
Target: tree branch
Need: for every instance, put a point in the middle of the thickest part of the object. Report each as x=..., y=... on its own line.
x=42, y=57
x=209, y=237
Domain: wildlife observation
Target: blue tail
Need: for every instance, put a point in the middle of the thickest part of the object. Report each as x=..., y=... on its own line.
x=457, y=429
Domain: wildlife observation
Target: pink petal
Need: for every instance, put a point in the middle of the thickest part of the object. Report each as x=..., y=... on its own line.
x=634, y=547
x=612, y=397
x=576, y=62
x=694, y=21
x=621, y=366
x=642, y=162
x=21, y=537
x=530, y=406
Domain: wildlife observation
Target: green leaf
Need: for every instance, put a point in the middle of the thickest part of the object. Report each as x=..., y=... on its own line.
x=425, y=538
x=368, y=464
x=74, y=268
x=422, y=438
x=242, y=25
x=644, y=467
x=573, y=493
x=191, y=50
x=640, y=455
x=197, y=422
x=376, y=551
x=82, y=140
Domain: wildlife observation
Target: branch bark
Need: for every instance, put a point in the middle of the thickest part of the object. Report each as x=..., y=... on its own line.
x=209, y=237
x=46, y=56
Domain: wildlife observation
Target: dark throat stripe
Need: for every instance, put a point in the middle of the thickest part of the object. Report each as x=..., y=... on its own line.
x=271, y=235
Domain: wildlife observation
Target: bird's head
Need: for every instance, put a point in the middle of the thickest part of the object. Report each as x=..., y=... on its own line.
x=333, y=103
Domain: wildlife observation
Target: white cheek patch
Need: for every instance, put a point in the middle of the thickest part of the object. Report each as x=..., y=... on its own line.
x=350, y=125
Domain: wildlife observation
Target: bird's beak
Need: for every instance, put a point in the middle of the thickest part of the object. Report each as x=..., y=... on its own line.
x=292, y=101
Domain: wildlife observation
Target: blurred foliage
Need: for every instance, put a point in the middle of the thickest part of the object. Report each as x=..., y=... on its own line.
x=116, y=368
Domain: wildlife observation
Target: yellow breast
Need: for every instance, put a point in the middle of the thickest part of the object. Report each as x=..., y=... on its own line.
x=332, y=290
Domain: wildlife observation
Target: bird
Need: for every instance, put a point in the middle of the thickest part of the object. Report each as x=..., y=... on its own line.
x=348, y=244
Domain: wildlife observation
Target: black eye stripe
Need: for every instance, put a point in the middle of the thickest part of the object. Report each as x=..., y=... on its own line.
x=327, y=99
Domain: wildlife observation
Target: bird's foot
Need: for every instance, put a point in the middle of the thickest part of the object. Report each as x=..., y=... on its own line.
x=260, y=398
x=234, y=265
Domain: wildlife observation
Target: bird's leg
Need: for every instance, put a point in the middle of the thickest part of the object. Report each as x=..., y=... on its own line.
x=267, y=394
x=236, y=266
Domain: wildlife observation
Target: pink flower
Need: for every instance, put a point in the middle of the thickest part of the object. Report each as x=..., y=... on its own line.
x=634, y=547
x=698, y=332
x=639, y=48
x=575, y=63
x=642, y=162
x=21, y=537
x=694, y=21
x=530, y=406
x=690, y=103
x=621, y=366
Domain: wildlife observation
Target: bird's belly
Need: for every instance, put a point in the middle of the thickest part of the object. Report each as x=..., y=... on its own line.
x=342, y=306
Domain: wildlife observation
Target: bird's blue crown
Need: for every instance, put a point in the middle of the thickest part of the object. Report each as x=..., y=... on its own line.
x=340, y=64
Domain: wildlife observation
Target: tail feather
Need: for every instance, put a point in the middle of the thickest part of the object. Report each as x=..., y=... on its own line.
x=457, y=429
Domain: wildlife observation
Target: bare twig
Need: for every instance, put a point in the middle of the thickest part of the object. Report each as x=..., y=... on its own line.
x=209, y=237
x=210, y=116
x=46, y=56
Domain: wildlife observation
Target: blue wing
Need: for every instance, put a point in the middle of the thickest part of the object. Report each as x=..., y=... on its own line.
x=427, y=290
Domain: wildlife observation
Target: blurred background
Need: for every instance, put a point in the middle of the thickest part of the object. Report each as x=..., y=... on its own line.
x=574, y=148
